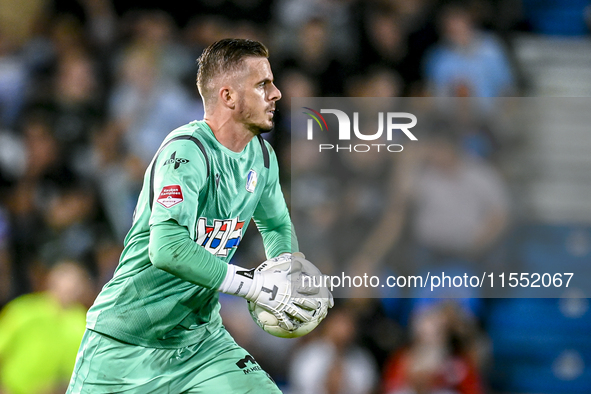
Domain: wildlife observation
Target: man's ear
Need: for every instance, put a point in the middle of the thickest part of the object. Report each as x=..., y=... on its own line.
x=227, y=96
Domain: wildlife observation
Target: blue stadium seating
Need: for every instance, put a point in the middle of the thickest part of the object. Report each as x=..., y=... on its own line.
x=543, y=345
x=557, y=17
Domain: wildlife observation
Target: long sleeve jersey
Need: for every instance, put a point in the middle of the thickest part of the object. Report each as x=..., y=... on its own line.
x=197, y=200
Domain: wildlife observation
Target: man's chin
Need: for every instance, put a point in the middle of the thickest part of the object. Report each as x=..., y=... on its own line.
x=261, y=129
x=266, y=130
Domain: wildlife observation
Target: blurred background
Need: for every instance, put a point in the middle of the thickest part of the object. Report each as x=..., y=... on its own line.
x=89, y=88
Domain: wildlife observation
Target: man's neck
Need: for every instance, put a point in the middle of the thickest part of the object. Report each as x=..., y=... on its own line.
x=232, y=135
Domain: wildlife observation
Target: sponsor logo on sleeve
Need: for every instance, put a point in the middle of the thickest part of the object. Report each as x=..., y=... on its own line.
x=170, y=196
x=177, y=161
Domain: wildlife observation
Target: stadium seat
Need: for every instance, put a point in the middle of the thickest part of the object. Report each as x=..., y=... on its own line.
x=544, y=344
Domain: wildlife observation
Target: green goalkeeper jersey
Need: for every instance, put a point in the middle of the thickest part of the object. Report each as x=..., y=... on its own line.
x=195, y=184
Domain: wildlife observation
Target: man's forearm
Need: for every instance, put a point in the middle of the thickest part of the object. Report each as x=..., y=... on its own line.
x=278, y=235
x=172, y=250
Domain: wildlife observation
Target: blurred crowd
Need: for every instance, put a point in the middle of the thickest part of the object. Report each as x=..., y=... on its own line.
x=89, y=88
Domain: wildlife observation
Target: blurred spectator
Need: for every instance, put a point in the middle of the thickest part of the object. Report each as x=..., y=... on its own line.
x=13, y=158
x=14, y=80
x=21, y=54
x=40, y=333
x=420, y=21
x=369, y=209
x=444, y=355
x=58, y=43
x=101, y=23
x=44, y=174
x=338, y=16
x=386, y=42
x=255, y=11
x=334, y=363
x=202, y=30
x=74, y=108
x=19, y=19
x=67, y=35
x=73, y=226
x=377, y=81
x=146, y=104
x=460, y=203
x=395, y=34
x=294, y=83
x=477, y=133
x=314, y=56
x=155, y=31
x=118, y=177
x=315, y=207
x=467, y=62
x=433, y=207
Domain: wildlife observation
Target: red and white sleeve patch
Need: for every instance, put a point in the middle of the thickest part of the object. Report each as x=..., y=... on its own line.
x=170, y=196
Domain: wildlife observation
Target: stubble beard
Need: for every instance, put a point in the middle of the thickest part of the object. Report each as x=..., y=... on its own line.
x=260, y=128
x=265, y=129
x=255, y=128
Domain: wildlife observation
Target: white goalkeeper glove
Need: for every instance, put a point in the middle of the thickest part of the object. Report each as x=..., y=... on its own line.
x=270, y=286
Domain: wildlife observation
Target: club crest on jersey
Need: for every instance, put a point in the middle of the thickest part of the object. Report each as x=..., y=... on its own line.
x=220, y=238
x=251, y=181
x=170, y=196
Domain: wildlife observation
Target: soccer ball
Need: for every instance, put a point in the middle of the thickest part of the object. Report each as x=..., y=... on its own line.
x=269, y=322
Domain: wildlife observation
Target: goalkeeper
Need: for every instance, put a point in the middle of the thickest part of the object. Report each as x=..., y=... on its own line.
x=155, y=327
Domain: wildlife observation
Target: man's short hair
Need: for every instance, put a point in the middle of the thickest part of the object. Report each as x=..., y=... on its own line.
x=224, y=56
